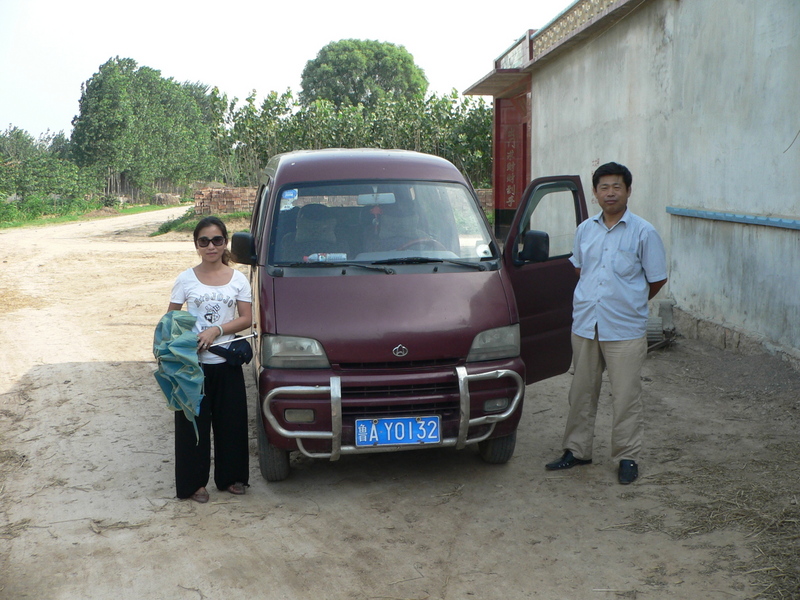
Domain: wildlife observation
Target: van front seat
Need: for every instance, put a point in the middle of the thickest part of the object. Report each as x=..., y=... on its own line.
x=315, y=234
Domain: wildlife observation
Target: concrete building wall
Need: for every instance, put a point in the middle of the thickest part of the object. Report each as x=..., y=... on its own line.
x=699, y=98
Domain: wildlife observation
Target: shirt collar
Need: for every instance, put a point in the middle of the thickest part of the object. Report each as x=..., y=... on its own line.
x=625, y=216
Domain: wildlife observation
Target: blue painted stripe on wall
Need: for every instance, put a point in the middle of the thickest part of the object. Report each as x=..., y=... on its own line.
x=735, y=218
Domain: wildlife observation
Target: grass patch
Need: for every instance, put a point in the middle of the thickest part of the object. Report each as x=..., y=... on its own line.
x=98, y=213
x=236, y=221
x=766, y=509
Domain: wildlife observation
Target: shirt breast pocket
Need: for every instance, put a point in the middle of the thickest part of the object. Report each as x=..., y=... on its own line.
x=626, y=264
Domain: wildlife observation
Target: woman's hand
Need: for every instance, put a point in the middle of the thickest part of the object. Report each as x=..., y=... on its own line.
x=206, y=337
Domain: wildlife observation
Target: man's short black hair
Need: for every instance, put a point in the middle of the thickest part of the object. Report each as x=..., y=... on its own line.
x=612, y=168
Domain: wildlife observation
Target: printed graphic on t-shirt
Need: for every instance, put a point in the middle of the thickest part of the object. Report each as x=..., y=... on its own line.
x=214, y=303
x=212, y=313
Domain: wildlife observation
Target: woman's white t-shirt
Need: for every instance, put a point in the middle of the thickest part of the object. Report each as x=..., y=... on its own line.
x=212, y=304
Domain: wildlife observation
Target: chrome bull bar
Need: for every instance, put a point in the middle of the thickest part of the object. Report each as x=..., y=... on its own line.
x=334, y=392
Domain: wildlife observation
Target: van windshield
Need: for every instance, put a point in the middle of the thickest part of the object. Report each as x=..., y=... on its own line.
x=377, y=221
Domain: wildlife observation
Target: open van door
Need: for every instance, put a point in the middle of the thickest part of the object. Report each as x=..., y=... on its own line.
x=536, y=258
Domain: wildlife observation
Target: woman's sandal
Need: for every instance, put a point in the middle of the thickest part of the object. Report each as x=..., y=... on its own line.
x=200, y=496
x=237, y=489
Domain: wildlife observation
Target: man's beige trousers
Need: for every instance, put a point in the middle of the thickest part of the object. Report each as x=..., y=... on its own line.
x=623, y=360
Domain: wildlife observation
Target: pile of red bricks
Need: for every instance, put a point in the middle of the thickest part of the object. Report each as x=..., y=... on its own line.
x=214, y=201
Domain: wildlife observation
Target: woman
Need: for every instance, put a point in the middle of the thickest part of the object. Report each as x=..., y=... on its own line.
x=214, y=292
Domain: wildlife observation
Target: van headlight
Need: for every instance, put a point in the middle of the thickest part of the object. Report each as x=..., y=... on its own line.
x=494, y=344
x=291, y=352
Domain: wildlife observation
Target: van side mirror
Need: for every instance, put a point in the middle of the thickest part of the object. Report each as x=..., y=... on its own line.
x=243, y=248
x=535, y=247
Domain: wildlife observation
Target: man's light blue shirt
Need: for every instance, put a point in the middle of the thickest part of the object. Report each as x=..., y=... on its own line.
x=616, y=266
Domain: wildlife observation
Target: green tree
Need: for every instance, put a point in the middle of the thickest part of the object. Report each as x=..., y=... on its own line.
x=473, y=134
x=222, y=115
x=352, y=72
x=260, y=132
x=16, y=147
x=37, y=177
x=170, y=140
x=138, y=130
x=451, y=126
x=102, y=130
x=16, y=144
x=141, y=131
x=454, y=127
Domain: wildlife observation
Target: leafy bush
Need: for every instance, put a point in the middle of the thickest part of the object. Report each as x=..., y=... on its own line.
x=36, y=180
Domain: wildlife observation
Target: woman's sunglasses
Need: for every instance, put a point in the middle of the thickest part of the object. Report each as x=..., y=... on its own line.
x=217, y=240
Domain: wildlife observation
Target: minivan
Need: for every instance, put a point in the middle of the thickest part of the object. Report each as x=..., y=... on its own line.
x=388, y=317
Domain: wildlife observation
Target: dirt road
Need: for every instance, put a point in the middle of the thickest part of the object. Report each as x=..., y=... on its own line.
x=87, y=506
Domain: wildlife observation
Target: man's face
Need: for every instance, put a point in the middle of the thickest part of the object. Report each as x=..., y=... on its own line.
x=612, y=194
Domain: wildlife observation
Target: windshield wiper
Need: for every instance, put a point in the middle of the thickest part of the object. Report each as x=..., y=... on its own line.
x=465, y=263
x=384, y=269
x=406, y=260
x=421, y=260
x=387, y=270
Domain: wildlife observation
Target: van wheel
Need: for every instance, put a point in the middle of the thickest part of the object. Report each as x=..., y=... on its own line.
x=498, y=451
x=273, y=462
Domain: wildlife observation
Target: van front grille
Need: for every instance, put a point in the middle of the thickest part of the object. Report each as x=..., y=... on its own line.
x=407, y=364
x=400, y=391
x=443, y=409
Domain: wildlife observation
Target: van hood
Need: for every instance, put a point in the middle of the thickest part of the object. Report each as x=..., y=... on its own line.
x=363, y=318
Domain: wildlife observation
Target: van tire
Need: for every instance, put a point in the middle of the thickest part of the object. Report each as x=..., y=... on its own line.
x=273, y=462
x=498, y=451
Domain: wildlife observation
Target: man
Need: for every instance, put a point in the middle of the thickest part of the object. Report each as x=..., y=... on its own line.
x=621, y=264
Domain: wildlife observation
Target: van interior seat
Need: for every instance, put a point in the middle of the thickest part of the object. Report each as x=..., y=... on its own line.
x=393, y=226
x=315, y=233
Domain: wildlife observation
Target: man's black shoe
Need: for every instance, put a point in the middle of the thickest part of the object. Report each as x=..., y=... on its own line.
x=567, y=461
x=628, y=471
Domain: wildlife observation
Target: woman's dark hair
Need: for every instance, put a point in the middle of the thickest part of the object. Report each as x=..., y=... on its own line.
x=612, y=168
x=209, y=222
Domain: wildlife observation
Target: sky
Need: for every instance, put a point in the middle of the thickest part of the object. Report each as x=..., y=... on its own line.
x=48, y=48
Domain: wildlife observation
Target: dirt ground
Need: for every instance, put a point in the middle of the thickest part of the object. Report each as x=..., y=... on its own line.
x=87, y=505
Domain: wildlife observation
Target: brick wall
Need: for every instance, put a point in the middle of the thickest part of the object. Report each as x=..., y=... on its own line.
x=486, y=198
x=210, y=201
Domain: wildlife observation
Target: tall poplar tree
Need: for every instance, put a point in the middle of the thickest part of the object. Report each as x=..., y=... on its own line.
x=140, y=130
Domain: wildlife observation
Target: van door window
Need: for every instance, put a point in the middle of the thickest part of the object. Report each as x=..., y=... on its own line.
x=552, y=211
x=260, y=213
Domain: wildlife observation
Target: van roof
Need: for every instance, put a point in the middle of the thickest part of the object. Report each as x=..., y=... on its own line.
x=336, y=164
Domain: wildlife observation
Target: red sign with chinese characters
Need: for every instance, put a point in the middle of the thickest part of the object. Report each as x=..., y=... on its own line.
x=511, y=151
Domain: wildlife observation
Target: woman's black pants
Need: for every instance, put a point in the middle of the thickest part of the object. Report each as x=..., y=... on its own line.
x=223, y=409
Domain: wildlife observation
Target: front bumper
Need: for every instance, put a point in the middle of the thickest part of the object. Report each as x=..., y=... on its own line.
x=333, y=392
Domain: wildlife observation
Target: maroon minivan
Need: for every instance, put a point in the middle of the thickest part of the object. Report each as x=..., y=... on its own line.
x=388, y=317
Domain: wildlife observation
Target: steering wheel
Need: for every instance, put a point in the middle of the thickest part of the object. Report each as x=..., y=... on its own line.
x=434, y=244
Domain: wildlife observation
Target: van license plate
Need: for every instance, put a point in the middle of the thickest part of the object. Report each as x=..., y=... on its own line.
x=398, y=431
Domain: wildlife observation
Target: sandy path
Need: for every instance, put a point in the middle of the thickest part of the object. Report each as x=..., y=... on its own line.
x=87, y=507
